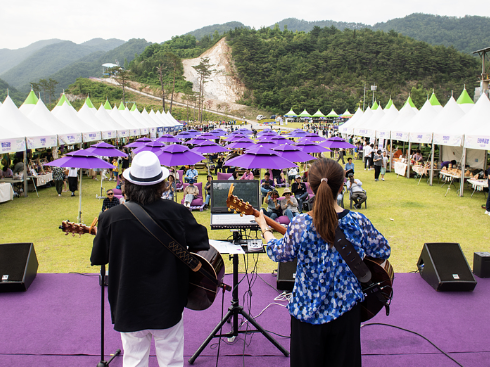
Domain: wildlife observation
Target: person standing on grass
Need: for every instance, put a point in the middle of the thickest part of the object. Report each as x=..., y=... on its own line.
x=367, y=155
x=384, y=166
x=378, y=163
x=325, y=303
x=72, y=180
x=148, y=285
x=58, y=178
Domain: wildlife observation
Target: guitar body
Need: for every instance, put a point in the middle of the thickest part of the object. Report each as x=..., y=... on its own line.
x=382, y=276
x=202, y=291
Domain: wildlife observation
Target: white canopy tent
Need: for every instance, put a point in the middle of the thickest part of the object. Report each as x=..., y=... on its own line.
x=347, y=127
x=366, y=128
x=89, y=117
x=41, y=116
x=114, y=113
x=479, y=136
x=29, y=103
x=14, y=120
x=69, y=116
x=143, y=129
x=103, y=115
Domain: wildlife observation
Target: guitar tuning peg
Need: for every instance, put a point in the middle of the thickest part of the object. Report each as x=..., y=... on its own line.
x=234, y=200
x=229, y=209
x=234, y=211
x=241, y=214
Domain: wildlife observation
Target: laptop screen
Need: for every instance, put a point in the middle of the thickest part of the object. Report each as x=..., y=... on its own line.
x=247, y=190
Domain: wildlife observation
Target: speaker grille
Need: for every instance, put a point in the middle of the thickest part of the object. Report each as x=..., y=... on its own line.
x=449, y=262
x=13, y=260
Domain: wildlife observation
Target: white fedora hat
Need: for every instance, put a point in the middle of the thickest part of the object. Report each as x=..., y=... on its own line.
x=145, y=170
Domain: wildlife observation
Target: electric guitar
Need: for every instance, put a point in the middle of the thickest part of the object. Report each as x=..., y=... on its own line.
x=378, y=292
x=202, y=290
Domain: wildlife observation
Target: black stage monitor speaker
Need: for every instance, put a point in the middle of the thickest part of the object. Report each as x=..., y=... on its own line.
x=445, y=268
x=286, y=273
x=18, y=266
x=481, y=264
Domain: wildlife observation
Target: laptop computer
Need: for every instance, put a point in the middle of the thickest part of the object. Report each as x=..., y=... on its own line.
x=221, y=218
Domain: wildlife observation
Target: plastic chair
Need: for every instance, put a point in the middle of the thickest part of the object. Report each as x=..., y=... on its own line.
x=179, y=183
x=223, y=176
x=351, y=201
x=198, y=202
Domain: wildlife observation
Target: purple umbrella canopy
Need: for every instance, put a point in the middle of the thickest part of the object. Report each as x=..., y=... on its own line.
x=281, y=140
x=267, y=133
x=154, y=147
x=260, y=157
x=196, y=140
x=298, y=133
x=208, y=136
x=292, y=153
x=186, y=135
x=167, y=138
x=105, y=150
x=208, y=147
x=245, y=131
x=311, y=147
x=267, y=143
x=236, y=137
x=80, y=159
x=178, y=155
x=139, y=143
x=336, y=143
x=241, y=144
x=313, y=137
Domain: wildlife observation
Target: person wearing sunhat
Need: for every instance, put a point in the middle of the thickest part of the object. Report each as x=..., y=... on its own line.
x=147, y=284
x=289, y=205
x=190, y=193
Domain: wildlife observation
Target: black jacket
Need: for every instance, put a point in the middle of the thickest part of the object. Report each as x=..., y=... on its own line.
x=147, y=284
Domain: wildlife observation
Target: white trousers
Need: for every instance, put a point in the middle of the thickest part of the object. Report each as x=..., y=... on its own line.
x=169, y=345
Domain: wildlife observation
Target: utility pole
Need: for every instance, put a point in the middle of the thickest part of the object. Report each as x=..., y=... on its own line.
x=364, y=98
x=373, y=89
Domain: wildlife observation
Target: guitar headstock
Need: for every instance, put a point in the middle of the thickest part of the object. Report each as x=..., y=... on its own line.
x=76, y=228
x=238, y=205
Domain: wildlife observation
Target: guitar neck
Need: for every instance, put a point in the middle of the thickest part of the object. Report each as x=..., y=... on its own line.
x=272, y=223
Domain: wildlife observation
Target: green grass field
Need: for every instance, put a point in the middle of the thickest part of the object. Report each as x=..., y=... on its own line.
x=406, y=213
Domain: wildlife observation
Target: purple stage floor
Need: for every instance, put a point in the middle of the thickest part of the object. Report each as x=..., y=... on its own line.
x=56, y=323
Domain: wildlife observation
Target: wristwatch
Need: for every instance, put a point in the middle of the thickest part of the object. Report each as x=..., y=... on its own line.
x=266, y=230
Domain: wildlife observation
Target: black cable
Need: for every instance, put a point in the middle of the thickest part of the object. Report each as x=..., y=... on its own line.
x=221, y=330
x=85, y=274
x=413, y=332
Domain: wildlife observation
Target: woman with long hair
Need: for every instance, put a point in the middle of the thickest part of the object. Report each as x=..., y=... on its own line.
x=324, y=307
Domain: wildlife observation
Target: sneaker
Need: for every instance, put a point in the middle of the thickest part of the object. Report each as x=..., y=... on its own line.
x=365, y=169
x=382, y=179
x=487, y=212
x=72, y=194
x=375, y=179
x=59, y=194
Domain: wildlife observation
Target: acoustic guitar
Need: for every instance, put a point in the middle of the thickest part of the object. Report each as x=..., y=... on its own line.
x=378, y=293
x=202, y=290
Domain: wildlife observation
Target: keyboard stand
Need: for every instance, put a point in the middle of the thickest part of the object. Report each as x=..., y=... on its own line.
x=233, y=311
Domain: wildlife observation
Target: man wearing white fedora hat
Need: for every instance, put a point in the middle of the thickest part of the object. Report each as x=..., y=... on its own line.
x=147, y=283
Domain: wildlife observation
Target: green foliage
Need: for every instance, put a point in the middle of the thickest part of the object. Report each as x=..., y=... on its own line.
x=17, y=97
x=466, y=34
x=328, y=68
x=91, y=65
x=49, y=60
x=212, y=29
x=98, y=92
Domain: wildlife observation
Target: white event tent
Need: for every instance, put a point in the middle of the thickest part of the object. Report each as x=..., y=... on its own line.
x=67, y=114
x=29, y=103
x=114, y=113
x=103, y=115
x=347, y=127
x=479, y=137
x=89, y=117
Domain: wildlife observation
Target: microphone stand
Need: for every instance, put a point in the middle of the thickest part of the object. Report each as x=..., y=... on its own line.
x=102, y=280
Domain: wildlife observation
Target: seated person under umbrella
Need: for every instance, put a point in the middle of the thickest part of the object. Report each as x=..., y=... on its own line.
x=191, y=174
x=248, y=175
x=110, y=201
x=289, y=205
x=300, y=192
x=273, y=205
x=190, y=193
x=358, y=195
x=266, y=185
x=349, y=167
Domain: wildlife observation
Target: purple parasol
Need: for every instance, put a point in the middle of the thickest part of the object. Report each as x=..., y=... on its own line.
x=167, y=138
x=138, y=143
x=186, y=135
x=236, y=137
x=154, y=147
x=298, y=133
x=260, y=157
x=196, y=140
x=178, y=155
x=218, y=132
x=267, y=143
x=292, y=153
x=80, y=159
x=208, y=147
x=281, y=140
x=208, y=136
x=311, y=147
x=241, y=144
x=245, y=131
x=105, y=150
x=337, y=143
x=313, y=137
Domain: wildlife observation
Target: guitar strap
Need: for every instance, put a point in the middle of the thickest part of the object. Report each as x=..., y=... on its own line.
x=168, y=241
x=351, y=257
x=358, y=267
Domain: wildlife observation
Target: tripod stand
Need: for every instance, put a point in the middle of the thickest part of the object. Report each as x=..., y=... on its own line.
x=102, y=280
x=233, y=311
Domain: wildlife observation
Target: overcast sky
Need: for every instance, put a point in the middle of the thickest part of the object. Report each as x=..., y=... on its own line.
x=26, y=21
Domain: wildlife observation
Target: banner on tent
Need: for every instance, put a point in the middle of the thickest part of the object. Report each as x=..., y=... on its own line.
x=160, y=129
x=477, y=142
x=69, y=139
x=12, y=145
x=108, y=135
x=452, y=140
x=87, y=137
x=399, y=135
x=425, y=138
x=42, y=142
x=475, y=158
x=123, y=133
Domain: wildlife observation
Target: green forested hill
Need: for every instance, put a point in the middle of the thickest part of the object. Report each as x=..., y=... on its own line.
x=16, y=96
x=49, y=60
x=466, y=34
x=300, y=25
x=328, y=68
x=10, y=58
x=220, y=28
x=91, y=65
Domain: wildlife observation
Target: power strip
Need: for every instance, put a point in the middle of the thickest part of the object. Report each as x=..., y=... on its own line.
x=255, y=245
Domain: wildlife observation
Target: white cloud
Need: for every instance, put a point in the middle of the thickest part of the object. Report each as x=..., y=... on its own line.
x=24, y=22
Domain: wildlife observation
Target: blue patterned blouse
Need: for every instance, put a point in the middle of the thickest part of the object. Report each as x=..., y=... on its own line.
x=325, y=287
